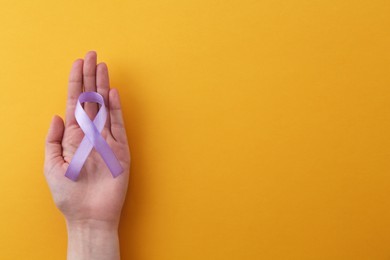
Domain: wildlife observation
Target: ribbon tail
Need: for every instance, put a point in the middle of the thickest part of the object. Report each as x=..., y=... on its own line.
x=79, y=159
x=108, y=156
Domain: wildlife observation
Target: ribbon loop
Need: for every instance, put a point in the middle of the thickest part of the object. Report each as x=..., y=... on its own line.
x=93, y=138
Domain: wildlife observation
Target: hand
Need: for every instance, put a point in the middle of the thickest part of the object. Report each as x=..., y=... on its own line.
x=96, y=198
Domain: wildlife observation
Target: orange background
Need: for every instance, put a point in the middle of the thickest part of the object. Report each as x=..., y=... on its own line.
x=258, y=129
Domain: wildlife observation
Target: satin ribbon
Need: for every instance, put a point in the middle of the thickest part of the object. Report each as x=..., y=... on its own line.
x=92, y=138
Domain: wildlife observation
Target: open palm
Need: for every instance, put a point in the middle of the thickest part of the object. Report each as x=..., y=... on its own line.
x=96, y=195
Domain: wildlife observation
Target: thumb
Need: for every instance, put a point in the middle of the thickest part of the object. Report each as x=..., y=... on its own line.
x=53, y=153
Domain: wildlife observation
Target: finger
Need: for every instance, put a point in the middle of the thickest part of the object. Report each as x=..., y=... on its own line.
x=117, y=124
x=103, y=86
x=89, y=80
x=75, y=88
x=53, y=151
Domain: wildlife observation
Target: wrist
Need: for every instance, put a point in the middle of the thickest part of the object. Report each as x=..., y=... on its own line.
x=92, y=225
x=92, y=239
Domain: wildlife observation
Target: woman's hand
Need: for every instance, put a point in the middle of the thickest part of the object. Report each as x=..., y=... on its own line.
x=95, y=200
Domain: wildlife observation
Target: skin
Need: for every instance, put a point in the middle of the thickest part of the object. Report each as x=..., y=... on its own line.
x=91, y=205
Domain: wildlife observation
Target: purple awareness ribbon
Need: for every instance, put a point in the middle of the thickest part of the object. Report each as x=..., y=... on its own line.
x=92, y=138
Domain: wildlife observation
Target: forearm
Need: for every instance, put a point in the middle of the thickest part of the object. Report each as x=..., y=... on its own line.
x=92, y=240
